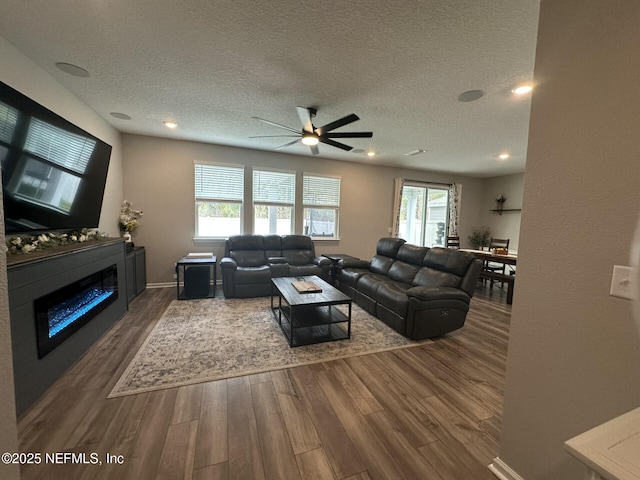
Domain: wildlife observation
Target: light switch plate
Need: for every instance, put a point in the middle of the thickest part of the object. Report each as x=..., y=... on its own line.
x=622, y=282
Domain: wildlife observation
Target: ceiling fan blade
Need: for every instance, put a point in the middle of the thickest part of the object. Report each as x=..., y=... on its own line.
x=277, y=124
x=273, y=136
x=349, y=135
x=314, y=149
x=286, y=145
x=337, y=123
x=328, y=141
x=305, y=118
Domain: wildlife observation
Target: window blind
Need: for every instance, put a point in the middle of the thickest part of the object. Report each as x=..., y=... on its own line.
x=321, y=191
x=217, y=182
x=274, y=187
x=8, y=121
x=58, y=146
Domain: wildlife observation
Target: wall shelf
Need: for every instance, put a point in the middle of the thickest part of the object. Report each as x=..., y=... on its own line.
x=499, y=212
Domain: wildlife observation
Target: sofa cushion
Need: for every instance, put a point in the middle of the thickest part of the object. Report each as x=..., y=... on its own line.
x=412, y=254
x=448, y=260
x=381, y=264
x=273, y=245
x=246, y=250
x=298, y=249
x=403, y=272
x=369, y=283
x=252, y=275
x=304, y=270
x=430, y=277
x=443, y=267
x=392, y=295
x=388, y=247
x=351, y=276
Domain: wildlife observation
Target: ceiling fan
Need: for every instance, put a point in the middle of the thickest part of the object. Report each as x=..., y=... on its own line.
x=311, y=135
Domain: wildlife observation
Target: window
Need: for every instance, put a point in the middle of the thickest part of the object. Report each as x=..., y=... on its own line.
x=423, y=215
x=273, y=202
x=321, y=202
x=219, y=199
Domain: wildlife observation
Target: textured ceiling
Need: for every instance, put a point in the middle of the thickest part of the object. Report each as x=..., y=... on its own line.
x=212, y=65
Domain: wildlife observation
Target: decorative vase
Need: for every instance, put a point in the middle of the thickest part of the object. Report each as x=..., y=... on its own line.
x=126, y=236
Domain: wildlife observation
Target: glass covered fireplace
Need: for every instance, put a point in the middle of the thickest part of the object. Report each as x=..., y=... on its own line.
x=61, y=313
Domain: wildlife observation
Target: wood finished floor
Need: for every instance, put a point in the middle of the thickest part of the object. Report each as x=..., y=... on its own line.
x=428, y=412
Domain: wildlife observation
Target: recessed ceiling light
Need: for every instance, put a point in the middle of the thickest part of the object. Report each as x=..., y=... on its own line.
x=357, y=150
x=170, y=124
x=371, y=154
x=121, y=116
x=503, y=156
x=414, y=152
x=470, y=95
x=522, y=89
x=71, y=69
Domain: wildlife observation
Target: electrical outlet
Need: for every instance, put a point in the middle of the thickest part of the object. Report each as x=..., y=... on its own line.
x=622, y=282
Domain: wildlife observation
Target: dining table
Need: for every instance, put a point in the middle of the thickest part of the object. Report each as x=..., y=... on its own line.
x=507, y=259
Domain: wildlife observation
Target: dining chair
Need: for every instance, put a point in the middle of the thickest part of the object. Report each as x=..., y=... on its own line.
x=453, y=242
x=496, y=267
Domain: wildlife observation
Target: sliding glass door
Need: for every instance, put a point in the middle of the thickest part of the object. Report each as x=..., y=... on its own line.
x=423, y=214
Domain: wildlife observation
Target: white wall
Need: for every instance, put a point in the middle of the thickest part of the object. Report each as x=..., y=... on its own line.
x=158, y=179
x=574, y=352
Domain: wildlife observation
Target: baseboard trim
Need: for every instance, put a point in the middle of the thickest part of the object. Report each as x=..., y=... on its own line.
x=503, y=471
x=171, y=285
x=161, y=285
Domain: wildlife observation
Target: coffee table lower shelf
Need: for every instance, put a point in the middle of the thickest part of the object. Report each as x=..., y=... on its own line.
x=313, y=324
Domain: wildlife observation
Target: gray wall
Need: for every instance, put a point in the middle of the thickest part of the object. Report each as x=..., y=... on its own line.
x=158, y=179
x=574, y=353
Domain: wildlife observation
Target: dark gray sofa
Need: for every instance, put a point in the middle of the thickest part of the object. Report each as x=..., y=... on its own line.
x=250, y=261
x=418, y=291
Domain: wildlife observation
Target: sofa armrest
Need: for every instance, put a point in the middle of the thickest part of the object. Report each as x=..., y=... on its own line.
x=277, y=260
x=279, y=269
x=438, y=293
x=354, y=263
x=321, y=261
x=228, y=263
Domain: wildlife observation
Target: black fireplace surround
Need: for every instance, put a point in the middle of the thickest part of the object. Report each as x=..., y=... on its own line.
x=48, y=295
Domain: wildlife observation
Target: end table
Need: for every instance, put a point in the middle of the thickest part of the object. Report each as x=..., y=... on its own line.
x=197, y=273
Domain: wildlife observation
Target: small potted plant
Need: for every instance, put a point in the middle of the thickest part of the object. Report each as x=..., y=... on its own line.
x=480, y=237
x=128, y=220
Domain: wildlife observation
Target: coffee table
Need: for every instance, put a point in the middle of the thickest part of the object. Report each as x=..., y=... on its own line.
x=307, y=318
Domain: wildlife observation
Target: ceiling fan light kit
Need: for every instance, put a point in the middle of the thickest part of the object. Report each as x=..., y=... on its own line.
x=310, y=139
x=312, y=136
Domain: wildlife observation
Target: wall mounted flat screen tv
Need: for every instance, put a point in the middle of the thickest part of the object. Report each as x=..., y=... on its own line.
x=53, y=172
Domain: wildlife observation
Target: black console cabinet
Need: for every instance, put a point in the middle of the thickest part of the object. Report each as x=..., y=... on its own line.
x=136, y=272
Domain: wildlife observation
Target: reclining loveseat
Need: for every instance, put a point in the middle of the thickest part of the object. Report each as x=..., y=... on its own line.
x=250, y=261
x=418, y=291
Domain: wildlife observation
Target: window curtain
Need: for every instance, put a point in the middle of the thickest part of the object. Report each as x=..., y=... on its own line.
x=397, y=204
x=455, y=191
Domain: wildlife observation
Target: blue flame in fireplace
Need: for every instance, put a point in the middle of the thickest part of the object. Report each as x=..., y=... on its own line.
x=67, y=312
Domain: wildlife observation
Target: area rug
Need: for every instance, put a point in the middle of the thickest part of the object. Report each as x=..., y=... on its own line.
x=199, y=341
